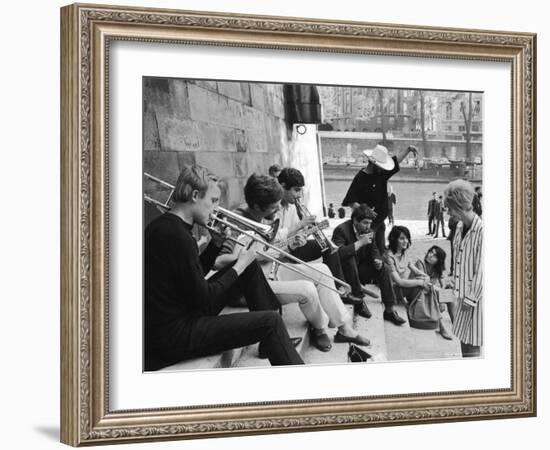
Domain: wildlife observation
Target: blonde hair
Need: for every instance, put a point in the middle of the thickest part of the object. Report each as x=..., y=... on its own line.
x=192, y=178
x=459, y=195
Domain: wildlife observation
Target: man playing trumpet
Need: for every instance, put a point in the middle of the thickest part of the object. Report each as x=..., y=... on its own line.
x=309, y=285
x=181, y=309
x=294, y=217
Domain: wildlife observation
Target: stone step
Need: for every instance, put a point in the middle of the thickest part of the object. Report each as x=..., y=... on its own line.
x=296, y=325
x=404, y=343
x=338, y=354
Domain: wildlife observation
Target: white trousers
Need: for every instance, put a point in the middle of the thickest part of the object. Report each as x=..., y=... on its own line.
x=294, y=287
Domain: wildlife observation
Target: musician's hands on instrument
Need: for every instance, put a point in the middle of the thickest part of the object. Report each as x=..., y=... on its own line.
x=245, y=258
x=298, y=240
x=307, y=221
x=220, y=236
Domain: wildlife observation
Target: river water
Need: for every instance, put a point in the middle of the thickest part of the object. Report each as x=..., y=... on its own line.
x=412, y=197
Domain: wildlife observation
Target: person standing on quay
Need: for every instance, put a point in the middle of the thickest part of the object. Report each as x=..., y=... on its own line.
x=392, y=200
x=370, y=186
x=431, y=214
x=438, y=216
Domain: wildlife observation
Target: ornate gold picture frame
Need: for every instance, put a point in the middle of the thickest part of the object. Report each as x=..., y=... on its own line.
x=87, y=415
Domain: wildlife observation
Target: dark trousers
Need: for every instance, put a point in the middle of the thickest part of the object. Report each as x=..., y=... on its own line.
x=380, y=236
x=207, y=335
x=431, y=224
x=382, y=278
x=438, y=221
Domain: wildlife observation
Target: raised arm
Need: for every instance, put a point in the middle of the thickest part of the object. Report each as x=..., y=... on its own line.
x=404, y=153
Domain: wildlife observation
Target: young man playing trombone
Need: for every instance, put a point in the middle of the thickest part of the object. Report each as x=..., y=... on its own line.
x=309, y=285
x=181, y=307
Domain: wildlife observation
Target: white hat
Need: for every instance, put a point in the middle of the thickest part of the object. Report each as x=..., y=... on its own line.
x=381, y=157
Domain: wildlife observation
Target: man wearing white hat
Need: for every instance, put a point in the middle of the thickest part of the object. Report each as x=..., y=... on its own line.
x=370, y=186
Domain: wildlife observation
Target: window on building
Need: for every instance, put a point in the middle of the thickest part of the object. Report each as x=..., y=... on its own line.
x=448, y=111
x=461, y=128
x=477, y=107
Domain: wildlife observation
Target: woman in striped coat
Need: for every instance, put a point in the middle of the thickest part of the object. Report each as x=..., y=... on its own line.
x=467, y=267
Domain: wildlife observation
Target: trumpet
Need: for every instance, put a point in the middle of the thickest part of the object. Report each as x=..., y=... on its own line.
x=262, y=234
x=317, y=229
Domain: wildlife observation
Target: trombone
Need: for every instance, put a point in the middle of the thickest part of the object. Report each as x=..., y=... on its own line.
x=263, y=234
x=257, y=232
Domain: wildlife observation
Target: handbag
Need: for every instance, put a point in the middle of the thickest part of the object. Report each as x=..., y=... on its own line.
x=424, y=311
x=357, y=354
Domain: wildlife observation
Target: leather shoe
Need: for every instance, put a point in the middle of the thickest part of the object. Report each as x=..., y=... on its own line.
x=263, y=355
x=362, y=310
x=357, y=339
x=351, y=299
x=393, y=317
x=320, y=341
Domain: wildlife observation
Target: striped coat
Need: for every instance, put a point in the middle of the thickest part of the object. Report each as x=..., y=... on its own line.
x=468, y=280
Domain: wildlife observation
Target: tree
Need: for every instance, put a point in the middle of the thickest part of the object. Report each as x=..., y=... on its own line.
x=423, y=122
x=467, y=115
x=382, y=115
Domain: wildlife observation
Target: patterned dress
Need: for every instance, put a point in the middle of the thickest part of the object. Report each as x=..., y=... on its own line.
x=468, y=280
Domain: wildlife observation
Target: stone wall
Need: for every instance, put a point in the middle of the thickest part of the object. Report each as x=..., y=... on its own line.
x=232, y=128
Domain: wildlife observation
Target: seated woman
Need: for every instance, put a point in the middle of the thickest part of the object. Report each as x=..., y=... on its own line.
x=433, y=266
x=410, y=281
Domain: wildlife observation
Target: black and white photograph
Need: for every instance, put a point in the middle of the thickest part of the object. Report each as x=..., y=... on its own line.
x=288, y=224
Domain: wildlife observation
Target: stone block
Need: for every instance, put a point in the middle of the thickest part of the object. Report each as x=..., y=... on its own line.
x=220, y=163
x=256, y=140
x=279, y=107
x=163, y=165
x=186, y=158
x=246, y=94
x=258, y=162
x=235, y=192
x=253, y=119
x=178, y=134
x=275, y=134
x=208, y=107
x=167, y=96
x=210, y=85
x=179, y=97
x=235, y=91
x=257, y=94
x=240, y=140
x=215, y=138
x=151, y=139
x=274, y=100
x=241, y=165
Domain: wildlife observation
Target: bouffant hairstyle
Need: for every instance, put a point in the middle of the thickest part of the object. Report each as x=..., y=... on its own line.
x=459, y=195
